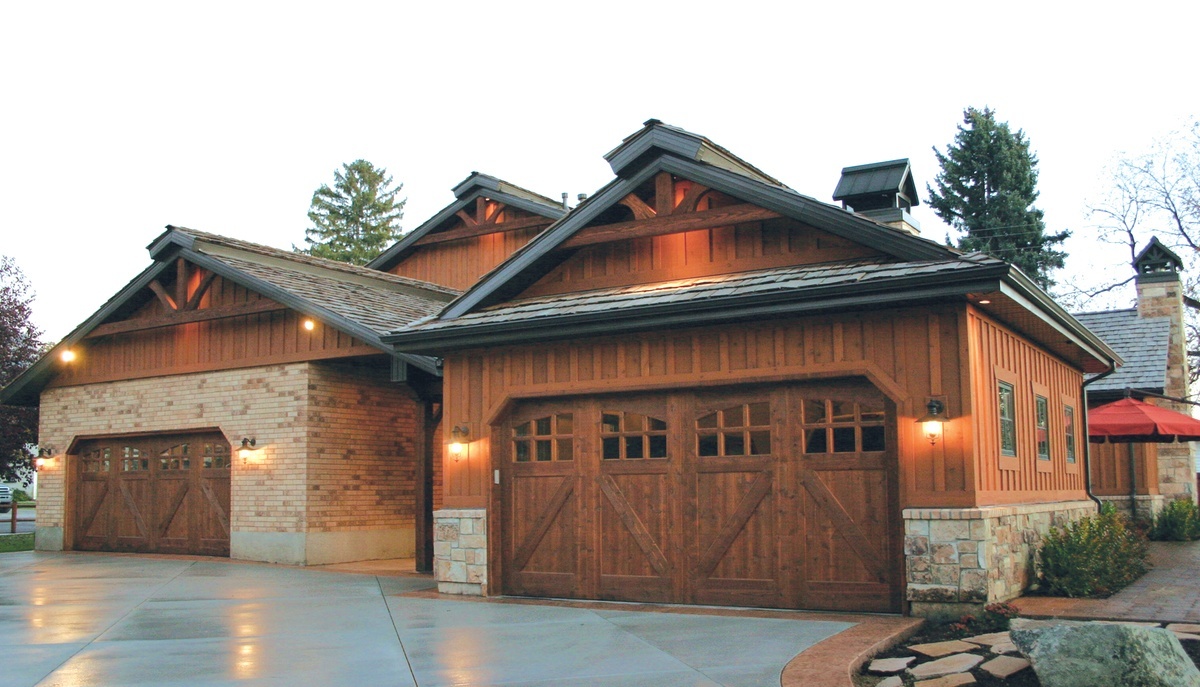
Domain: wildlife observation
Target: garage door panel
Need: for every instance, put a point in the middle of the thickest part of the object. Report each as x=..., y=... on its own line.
x=635, y=525
x=543, y=526
x=148, y=494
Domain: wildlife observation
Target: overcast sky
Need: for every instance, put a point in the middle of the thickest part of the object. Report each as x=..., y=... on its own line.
x=117, y=119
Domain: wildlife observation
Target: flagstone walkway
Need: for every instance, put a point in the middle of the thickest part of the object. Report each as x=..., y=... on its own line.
x=1169, y=593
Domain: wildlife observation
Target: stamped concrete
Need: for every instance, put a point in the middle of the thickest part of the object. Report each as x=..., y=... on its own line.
x=96, y=619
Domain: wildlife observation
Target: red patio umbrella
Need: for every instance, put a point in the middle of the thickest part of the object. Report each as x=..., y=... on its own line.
x=1132, y=421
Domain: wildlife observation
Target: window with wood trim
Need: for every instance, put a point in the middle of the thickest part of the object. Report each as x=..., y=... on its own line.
x=178, y=457
x=841, y=426
x=1069, y=429
x=1041, y=406
x=132, y=460
x=99, y=460
x=632, y=436
x=741, y=430
x=545, y=439
x=217, y=456
x=1008, y=418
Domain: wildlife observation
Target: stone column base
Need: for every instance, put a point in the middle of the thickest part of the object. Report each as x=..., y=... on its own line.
x=1146, y=505
x=460, y=551
x=957, y=559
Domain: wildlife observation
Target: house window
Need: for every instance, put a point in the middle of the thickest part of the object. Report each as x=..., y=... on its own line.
x=1069, y=428
x=743, y=430
x=1042, y=406
x=1008, y=419
x=837, y=426
x=544, y=439
x=632, y=436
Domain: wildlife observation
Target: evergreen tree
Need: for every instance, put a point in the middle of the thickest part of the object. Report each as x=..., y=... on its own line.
x=358, y=218
x=19, y=348
x=986, y=188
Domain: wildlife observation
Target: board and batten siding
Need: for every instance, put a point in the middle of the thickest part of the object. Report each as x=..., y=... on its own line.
x=460, y=263
x=912, y=355
x=272, y=337
x=998, y=352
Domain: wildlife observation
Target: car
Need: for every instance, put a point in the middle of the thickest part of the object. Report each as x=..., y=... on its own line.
x=6, y=499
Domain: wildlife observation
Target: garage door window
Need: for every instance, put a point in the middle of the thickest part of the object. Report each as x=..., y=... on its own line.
x=175, y=458
x=736, y=431
x=98, y=461
x=544, y=439
x=839, y=426
x=632, y=436
x=132, y=460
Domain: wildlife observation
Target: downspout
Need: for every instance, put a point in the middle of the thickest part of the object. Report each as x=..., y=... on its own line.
x=1087, y=440
x=1132, y=478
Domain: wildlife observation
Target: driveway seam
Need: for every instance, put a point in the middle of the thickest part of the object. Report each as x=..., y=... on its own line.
x=396, y=629
x=113, y=624
x=657, y=648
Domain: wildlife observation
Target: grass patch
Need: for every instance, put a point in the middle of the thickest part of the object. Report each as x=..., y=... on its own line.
x=16, y=542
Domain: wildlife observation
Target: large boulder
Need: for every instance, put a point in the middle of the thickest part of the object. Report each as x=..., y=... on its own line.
x=1100, y=654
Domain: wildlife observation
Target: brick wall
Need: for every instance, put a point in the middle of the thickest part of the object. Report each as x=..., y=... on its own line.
x=362, y=449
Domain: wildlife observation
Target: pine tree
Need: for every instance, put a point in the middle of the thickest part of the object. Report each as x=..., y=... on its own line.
x=356, y=219
x=19, y=348
x=987, y=187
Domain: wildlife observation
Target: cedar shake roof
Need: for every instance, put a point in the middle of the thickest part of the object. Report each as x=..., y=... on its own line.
x=1143, y=343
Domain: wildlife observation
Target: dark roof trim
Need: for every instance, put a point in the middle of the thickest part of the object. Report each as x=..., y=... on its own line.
x=656, y=138
x=490, y=289
x=24, y=390
x=1025, y=292
x=466, y=192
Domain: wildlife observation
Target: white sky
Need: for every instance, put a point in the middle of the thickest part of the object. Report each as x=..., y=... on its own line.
x=117, y=119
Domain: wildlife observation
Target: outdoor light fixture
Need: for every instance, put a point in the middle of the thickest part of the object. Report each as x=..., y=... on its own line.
x=984, y=301
x=44, y=456
x=458, y=440
x=246, y=450
x=931, y=423
x=309, y=325
x=67, y=355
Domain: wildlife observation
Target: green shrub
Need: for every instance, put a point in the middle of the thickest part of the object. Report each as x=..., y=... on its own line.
x=1179, y=521
x=20, y=496
x=1093, y=557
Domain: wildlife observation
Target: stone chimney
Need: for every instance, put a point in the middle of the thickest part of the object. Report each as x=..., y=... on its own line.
x=882, y=191
x=1160, y=294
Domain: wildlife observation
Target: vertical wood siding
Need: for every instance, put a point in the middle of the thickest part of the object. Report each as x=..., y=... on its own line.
x=1023, y=479
x=750, y=246
x=459, y=264
x=245, y=341
x=915, y=354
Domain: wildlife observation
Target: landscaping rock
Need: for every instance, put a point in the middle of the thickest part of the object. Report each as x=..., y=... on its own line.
x=1188, y=628
x=893, y=681
x=1003, y=666
x=990, y=639
x=948, y=681
x=886, y=666
x=958, y=663
x=1104, y=654
x=939, y=649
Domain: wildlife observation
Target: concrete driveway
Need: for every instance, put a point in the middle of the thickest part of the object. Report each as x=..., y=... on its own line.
x=92, y=619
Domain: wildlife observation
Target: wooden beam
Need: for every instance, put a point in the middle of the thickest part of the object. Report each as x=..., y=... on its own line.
x=480, y=210
x=183, y=317
x=692, y=198
x=497, y=208
x=639, y=207
x=671, y=224
x=664, y=194
x=481, y=229
x=201, y=289
x=162, y=294
x=467, y=219
x=181, y=280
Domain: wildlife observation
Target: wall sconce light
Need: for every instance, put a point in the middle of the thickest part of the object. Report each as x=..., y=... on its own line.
x=308, y=325
x=44, y=457
x=67, y=355
x=246, y=450
x=458, y=440
x=931, y=423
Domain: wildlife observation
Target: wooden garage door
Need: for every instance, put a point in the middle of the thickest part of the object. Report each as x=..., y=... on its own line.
x=777, y=497
x=154, y=494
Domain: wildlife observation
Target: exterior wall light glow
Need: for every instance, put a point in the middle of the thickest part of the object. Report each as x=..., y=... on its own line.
x=67, y=355
x=308, y=325
x=458, y=440
x=44, y=457
x=931, y=423
x=247, y=450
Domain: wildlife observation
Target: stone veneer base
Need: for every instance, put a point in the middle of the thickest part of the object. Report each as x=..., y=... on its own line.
x=1146, y=505
x=957, y=559
x=47, y=538
x=460, y=551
